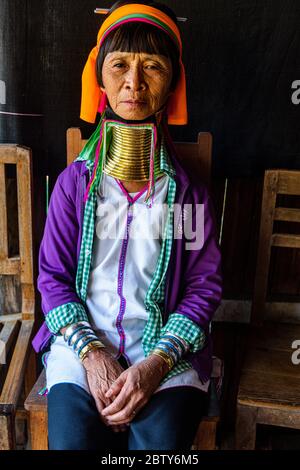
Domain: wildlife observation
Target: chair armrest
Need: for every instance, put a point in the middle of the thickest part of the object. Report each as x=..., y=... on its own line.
x=34, y=401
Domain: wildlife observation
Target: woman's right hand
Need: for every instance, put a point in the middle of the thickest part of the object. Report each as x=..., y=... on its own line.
x=102, y=369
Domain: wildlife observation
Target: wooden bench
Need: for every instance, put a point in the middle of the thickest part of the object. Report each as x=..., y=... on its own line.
x=16, y=328
x=196, y=158
x=269, y=389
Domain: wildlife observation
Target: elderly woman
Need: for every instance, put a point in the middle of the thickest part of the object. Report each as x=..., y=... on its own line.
x=128, y=297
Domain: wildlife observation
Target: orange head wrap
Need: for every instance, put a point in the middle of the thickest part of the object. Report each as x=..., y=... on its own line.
x=91, y=91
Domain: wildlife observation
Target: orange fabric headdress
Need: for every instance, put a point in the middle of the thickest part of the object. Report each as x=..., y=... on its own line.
x=91, y=91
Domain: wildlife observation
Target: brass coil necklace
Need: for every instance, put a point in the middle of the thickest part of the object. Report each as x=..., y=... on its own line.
x=128, y=155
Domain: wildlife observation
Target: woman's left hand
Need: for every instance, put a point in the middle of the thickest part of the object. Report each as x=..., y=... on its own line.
x=133, y=388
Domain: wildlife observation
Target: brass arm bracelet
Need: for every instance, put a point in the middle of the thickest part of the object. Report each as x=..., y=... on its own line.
x=165, y=357
x=71, y=329
x=93, y=346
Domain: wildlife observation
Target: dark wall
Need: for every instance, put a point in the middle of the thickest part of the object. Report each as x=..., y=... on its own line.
x=241, y=57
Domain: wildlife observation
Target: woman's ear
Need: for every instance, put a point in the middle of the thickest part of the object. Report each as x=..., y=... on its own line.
x=103, y=101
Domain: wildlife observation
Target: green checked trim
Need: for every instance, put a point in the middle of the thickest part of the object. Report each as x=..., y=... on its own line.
x=154, y=299
x=182, y=326
x=64, y=315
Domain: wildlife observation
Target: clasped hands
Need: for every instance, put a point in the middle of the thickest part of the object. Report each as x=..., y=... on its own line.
x=120, y=394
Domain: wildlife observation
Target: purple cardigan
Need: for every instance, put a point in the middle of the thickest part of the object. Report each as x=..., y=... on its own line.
x=193, y=280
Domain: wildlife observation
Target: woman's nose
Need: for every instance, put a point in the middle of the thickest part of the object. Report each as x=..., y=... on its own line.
x=135, y=79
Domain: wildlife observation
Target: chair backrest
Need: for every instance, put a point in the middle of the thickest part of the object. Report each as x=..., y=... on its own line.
x=194, y=157
x=21, y=264
x=276, y=182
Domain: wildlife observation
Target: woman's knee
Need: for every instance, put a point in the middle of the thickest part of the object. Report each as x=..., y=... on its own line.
x=73, y=420
x=169, y=421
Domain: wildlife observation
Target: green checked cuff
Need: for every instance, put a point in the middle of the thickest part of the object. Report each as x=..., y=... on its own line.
x=186, y=329
x=64, y=315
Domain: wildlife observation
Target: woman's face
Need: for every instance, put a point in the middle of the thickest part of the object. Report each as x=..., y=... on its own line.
x=137, y=84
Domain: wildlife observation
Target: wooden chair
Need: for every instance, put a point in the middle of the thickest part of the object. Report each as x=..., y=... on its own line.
x=196, y=157
x=269, y=389
x=16, y=329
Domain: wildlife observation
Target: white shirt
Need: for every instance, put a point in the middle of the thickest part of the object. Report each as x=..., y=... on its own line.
x=125, y=253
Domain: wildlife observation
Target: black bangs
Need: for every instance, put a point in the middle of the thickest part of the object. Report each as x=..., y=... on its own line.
x=140, y=37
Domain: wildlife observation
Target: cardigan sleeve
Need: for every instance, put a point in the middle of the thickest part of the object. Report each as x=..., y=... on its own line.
x=58, y=257
x=186, y=329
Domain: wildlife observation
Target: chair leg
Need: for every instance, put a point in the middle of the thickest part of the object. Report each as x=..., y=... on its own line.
x=38, y=430
x=7, y=432
x=245, y=429
x=206, y=435
x=30, y=373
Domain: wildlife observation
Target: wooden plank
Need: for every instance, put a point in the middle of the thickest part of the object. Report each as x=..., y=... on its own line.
x=10, y=298
x=7, y=434
x=264, y=247
x=10, y=317
x=21, y=413
x=36, y=405
x=12, y=386
x=271, y=362
x=7, y=338
x=75, y=144
x=8, y=153
x=24, y=178
x=206, y=436
x=289, y=182
x=286, y=240
x=21, y=432
x=28, y=301
x=25, y=214
x=38, y=424
x=3, y=216
x=30, y=373
x=34, y=401
x=245, y=429
x=287, y=214
x=268, y=390
x=279, y=417
x=10, y=266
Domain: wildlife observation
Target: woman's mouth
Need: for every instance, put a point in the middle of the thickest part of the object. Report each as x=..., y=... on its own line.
x=134, y=103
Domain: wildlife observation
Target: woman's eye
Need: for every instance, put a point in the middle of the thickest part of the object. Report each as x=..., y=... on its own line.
x=119, y=65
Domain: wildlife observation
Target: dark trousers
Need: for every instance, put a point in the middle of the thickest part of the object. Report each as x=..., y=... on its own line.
x=169, y=421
